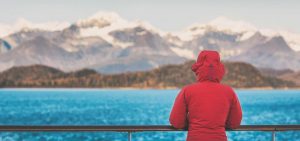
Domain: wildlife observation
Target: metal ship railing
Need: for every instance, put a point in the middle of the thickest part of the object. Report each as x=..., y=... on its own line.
x=131, y=129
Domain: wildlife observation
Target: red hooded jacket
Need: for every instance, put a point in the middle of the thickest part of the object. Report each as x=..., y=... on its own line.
x=207, y=107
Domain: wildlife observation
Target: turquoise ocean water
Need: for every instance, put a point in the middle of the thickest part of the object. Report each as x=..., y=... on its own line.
x=132, y=107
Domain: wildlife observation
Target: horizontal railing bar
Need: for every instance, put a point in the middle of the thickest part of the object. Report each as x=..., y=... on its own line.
x=130, y=128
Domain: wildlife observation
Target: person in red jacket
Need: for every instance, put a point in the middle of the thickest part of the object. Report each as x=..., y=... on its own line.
x=207, y=107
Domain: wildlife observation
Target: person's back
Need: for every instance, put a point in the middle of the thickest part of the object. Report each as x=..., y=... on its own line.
x=207, y=107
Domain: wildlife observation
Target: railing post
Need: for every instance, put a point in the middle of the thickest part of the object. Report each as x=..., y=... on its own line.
x=129, y=136
x=273, y=135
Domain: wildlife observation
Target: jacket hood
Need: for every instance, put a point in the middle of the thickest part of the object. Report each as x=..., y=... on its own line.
x=208, y=67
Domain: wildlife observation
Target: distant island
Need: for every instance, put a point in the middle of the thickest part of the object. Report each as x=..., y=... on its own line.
x=239, y=75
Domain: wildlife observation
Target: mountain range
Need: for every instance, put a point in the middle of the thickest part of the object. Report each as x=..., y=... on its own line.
x=109, y=44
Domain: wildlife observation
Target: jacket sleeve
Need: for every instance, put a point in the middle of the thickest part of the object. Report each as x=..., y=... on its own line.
x=235, y=113
x=178, y=116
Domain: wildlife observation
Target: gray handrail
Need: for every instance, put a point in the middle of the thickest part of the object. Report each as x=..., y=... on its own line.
x=134, y=128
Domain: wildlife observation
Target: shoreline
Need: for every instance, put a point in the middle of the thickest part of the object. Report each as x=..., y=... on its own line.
x=132, y=88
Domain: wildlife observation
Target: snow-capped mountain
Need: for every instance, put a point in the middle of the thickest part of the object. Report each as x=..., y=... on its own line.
x=23, y=24
x=244, y=29
x=110, y=44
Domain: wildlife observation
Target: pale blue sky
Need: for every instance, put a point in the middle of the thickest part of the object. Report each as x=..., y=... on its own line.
x=168, y=15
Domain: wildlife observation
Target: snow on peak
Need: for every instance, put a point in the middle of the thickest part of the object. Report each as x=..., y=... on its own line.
x=148, y=26
x=108, y=16
x=101, y=19
x=102, y=24
x=22, y=24
x=48, y=26
x=189, y=33
x=226, y=24
x=222, y=24
x=247, y=30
